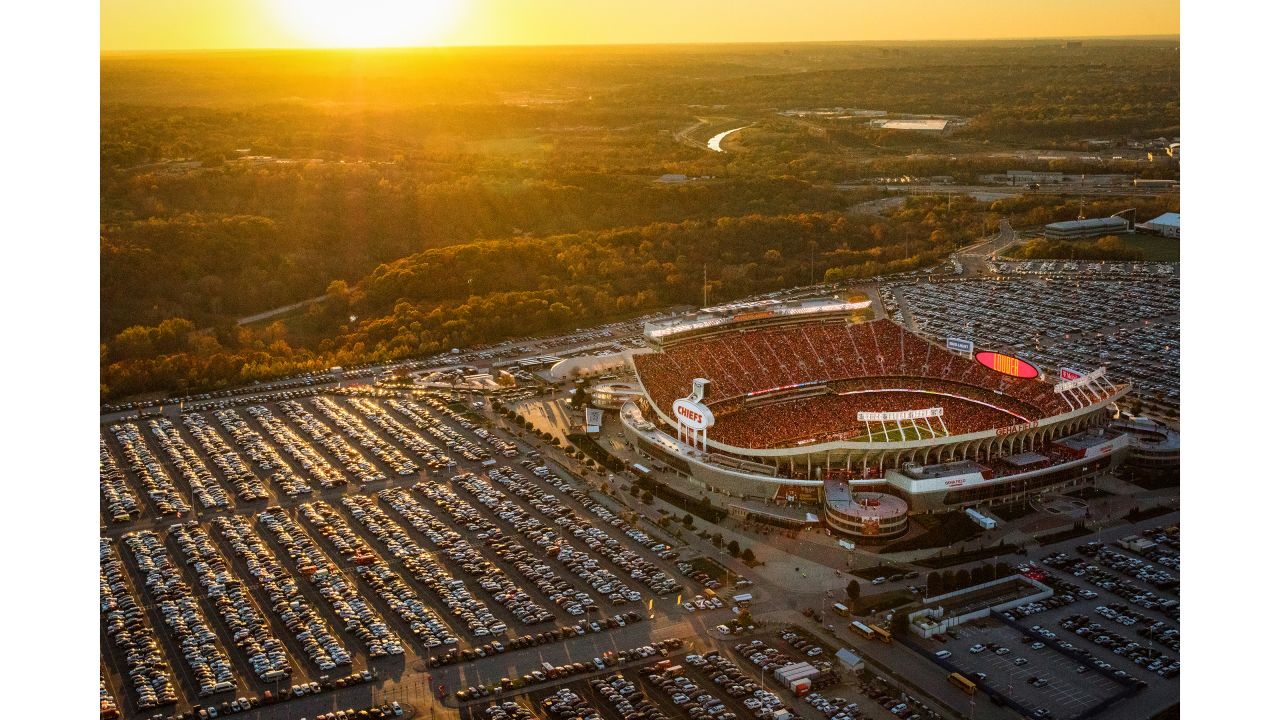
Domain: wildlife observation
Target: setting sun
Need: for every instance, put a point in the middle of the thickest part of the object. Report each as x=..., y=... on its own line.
x=369, y=23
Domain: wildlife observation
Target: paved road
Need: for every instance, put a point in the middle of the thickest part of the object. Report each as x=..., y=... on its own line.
x=282, y=310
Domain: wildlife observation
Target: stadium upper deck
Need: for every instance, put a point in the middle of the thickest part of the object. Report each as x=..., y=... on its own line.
x=750, y=365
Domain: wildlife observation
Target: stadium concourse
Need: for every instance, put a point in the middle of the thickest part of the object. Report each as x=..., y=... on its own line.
x=789, y=395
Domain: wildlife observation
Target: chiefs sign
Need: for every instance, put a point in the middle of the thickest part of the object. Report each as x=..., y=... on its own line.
x=692, y=415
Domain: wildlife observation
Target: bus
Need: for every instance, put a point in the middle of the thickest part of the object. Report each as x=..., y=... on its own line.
x=962, y=682
x=840, y=609
x=862, y=630
x=881, y=634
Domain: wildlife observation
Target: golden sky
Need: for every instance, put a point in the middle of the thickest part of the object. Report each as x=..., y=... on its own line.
x=224, y=24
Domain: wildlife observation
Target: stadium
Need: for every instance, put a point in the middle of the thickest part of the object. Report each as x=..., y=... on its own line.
x=766, y=402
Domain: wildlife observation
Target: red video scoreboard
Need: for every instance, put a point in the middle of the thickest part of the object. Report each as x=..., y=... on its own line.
x=1007, y=364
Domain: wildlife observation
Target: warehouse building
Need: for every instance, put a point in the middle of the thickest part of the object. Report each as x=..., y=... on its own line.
x=1089, y=228
x=1167, y=225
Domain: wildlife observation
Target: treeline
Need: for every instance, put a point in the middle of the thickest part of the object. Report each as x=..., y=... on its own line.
x=481, y=292
x=238, y=240
x=1109, y=248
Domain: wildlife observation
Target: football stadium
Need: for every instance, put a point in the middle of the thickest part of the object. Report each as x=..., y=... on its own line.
x=767, y=402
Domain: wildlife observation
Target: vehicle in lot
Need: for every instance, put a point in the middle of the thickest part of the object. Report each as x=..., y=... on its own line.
x=965, y=684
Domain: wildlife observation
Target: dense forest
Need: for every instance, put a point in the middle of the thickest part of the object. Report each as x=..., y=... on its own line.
x=447, y=197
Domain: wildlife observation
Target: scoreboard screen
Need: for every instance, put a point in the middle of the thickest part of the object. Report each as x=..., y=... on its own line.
x=1007, y=364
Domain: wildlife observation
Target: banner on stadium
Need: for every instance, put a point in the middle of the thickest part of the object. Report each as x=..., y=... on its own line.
x=1069, y=374
x=960, y=345
x=595, y=416
x=1081, y=381
x=899, y=415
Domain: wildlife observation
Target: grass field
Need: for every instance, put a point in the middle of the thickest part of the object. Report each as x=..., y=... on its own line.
x=892, y=434
x=1154, y=249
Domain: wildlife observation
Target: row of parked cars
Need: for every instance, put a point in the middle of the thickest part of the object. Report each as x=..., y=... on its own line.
x=354, y=429
x=250, y=629
x=204, y=486
x=626, y=698
x=269, y=697
x=1127, y=589
x=1133, y=567
x=547, y=671
x=437, y=428
x=641, y=537
x=258, y=450
x=596, y=539
x=534, y=566
x=155, y=480
x=452, y=591
x=310, y=459
x=245, y=483
x=131, y=634
x=578, y=562
x=396, y=594
x=360, y=618
x=178, y=606
x=835, y=707
x=373, y=712
x=348, y=457
x=117, y=497
x=299, y=615
x=1140, y=654
x=725, y=673
x=489, y=576
x=697, y=703
x=421, y=565
x=430, y=455
x=802, y=642
x=298, y=381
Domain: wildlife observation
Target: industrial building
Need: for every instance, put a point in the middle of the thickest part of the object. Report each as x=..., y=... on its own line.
x=1166, y=225
x=1089, y=228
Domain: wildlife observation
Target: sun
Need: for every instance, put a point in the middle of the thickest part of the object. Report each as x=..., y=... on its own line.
x=368, y=23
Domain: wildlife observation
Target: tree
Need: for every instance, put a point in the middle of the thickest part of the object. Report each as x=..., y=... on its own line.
x=963, y=579
x=898, y=625
x=687, y=520
x=948, y=581
x=1003, y=569
x=748, y=556
x=853, y=589
x=734, y=548
x=933, y=584
x=717, y=539
x=648, y=498
x=634, y=489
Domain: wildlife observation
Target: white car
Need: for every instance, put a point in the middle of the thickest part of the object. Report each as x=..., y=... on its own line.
x=942, y=654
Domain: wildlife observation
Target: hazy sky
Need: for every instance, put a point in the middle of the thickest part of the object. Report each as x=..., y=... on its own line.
x=220, y=24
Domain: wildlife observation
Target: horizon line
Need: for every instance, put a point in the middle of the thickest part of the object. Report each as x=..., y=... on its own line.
x=392, y=48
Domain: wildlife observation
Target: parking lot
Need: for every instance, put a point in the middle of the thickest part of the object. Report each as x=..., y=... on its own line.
x=1065, y=693
x=1129, y=324
x=269, y=549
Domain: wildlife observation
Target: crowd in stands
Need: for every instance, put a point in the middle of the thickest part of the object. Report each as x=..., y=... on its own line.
x=835, y=417
x=762, y=359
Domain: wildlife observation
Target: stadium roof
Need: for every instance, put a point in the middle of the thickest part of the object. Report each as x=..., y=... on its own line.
x=1088, y=224
x=724, y=314
x=1169, y=219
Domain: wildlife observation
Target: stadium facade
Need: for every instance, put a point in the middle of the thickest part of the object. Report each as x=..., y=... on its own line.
x=769, y=401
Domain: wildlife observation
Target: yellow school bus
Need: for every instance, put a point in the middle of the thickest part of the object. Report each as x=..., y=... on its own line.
x=962, y=682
